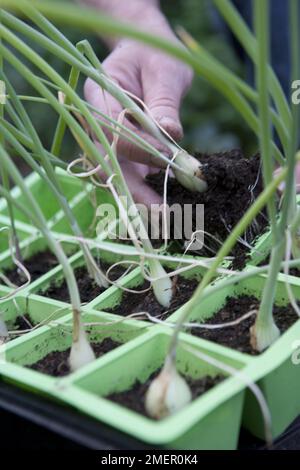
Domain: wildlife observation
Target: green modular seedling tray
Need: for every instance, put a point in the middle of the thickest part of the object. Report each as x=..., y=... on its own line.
x=113, y=296
x=23, y=231
x=260, y=250
x=211, y=421
x=82, y=198
x=37, y=310
x=56, y=276
x=4, y=292
x=56, y=335
x=43, y=196
x=262, y=247
x=84, y=208
x=274, y=371
x=29, y=247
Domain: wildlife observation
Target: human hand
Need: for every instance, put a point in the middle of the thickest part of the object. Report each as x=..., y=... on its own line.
x=160, y=82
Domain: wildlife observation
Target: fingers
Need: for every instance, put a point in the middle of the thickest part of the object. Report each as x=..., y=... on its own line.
x=159, y=81
x=135, y=174
x=281, y=187
x=163, y=92
x=111, y=107
x=165, y=110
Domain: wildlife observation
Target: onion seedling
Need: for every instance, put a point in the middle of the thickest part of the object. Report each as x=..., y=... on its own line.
x=187, y=165
x=265, y=332
x=81, y=351
x=89, y=146
x=53, y=182
x=84, y=139
x=168, y=392
x=5, y=178
x=158, y=395
x=203, y=290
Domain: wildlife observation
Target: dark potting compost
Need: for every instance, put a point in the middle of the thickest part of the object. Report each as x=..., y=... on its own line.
x=294, y=272
x=88, y=289
x=23, y=322
x=56, y=363
x=37, y=265
x=146, y=302
x=238, y=336
x=134, y=399
x=234, y=182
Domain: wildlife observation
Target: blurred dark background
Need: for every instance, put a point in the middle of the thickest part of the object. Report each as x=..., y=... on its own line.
x=210, y=123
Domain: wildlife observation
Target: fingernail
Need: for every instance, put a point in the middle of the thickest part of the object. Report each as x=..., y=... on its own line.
x=172, y=126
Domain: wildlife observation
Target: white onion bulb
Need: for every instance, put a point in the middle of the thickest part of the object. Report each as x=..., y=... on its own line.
x=81, y=352
x=168, y=393
x=263, y=337
x=193, y=180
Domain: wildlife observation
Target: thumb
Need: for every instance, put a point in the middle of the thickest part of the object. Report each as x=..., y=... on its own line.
x=164, y=105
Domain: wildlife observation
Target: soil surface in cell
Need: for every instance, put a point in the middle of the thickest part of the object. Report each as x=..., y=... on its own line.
x=37, y=265
x=234, y=182
x=238, y=336
x=146, y=302
x=56, y=363
x=134, y=399
x=23, y=322
x=88, y=289
x=294, y=272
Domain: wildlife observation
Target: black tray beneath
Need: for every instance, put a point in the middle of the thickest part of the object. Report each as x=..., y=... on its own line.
x=33, y=423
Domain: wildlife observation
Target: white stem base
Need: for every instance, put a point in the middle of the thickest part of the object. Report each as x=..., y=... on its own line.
x=261, y=338
x=193, y=180
x=168, y=393
x=94, y=271
x=163, y=287
x=81, y=352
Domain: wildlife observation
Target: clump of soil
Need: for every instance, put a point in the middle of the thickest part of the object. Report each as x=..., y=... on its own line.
x=134, y=399
x=238, y=336
x=146, y=302
x=56, y=363
x=37, y=265
x=88, y=289
x=234, y=182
